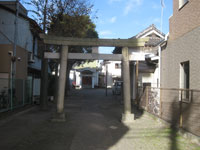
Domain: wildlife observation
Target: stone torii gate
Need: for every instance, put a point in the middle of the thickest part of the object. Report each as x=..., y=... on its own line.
x=127, y=115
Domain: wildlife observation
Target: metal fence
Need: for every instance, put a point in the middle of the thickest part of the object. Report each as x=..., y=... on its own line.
x=180, y=107
x=18, y=96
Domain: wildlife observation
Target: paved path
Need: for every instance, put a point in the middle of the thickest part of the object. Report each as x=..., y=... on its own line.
x=93, y=123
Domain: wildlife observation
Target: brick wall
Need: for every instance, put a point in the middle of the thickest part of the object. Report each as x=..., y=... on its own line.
x=185, y=19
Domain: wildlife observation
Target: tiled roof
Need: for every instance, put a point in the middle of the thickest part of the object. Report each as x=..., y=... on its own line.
x=153, y=41
x=150, y=28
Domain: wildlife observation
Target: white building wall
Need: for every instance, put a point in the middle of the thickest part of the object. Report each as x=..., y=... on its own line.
x=76, y=76
x=96, y=78
x=149, y=78
x=112, y=72
x=71, y=77
x=78, y=79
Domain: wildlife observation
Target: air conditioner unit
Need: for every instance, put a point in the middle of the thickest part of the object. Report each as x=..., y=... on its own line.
x=30, y=57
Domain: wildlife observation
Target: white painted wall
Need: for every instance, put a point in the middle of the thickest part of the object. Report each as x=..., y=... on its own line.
x=78, y=79
x=112, y=72
x=149, y=78
x=76, y=76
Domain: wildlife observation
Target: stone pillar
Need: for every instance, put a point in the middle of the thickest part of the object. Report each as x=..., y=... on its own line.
x=127, y=116
x=60, y=115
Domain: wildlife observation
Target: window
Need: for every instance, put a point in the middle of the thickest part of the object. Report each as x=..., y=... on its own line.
x=185, y=79
x=117, y=66
x=182, y=3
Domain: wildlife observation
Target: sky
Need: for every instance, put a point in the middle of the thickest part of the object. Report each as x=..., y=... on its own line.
x=125, y=18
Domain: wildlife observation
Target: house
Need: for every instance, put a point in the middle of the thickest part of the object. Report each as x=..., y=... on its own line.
x=180, y=54
x=28, y=62
x=85, y=75
x=148, y=69
x=110, y=70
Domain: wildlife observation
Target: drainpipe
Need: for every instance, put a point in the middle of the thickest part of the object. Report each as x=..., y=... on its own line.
x=160, y=58
x=159, y=65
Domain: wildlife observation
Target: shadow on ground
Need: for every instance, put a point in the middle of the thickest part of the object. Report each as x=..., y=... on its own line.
x=91, y=118
x=93, y=123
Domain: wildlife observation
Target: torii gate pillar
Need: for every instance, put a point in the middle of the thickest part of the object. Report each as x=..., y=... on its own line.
x=127, y=116
x=60, y=114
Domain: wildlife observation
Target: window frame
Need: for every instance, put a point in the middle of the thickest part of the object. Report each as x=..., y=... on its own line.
x=118, y=66
x=185, y=93
x=183, y=3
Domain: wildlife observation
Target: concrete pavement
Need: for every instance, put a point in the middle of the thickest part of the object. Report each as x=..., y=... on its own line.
x=92, y=123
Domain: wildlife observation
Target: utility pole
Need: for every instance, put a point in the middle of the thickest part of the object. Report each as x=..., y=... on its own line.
x=13, y=55
x=44, y=68
x=161, y=19
x=106, y=79
x=15, y=38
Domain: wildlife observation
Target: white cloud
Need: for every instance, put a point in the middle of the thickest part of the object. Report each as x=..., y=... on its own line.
x=113, y=19
x=131, y=4
x=105, y=33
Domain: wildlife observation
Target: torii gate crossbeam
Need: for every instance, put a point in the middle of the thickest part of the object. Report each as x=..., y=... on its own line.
x=127, y=116
x=94, y=56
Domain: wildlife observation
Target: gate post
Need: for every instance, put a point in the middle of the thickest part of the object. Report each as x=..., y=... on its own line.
x=60, y=114
x=127, y=116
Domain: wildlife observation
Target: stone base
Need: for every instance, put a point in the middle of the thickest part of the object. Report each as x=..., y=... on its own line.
x=58, y=117
x=127, y=118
